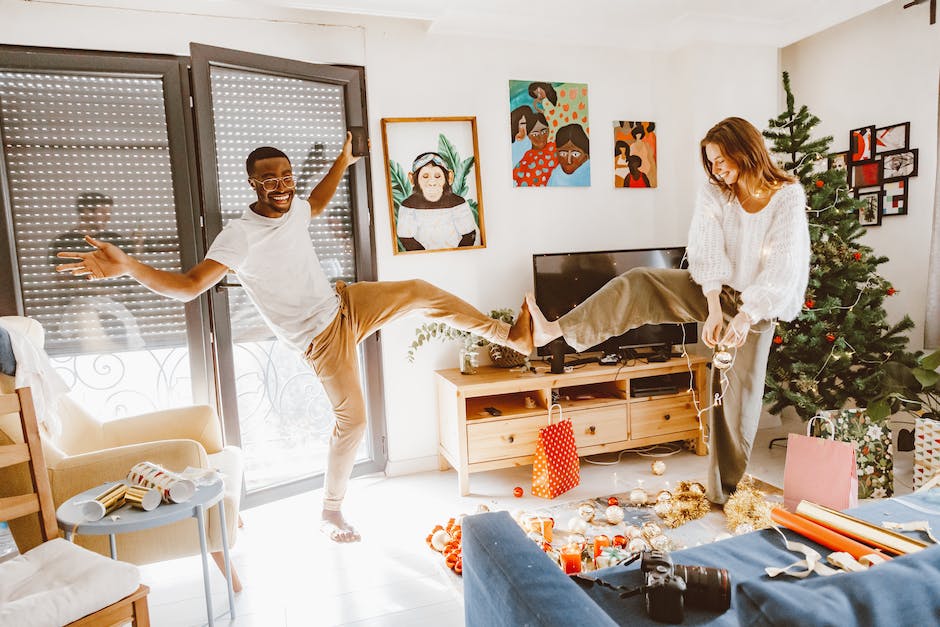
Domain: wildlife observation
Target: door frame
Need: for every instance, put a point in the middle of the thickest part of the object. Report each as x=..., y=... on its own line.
x=352, y=79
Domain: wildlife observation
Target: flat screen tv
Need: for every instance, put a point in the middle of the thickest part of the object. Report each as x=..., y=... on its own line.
x=564, y=280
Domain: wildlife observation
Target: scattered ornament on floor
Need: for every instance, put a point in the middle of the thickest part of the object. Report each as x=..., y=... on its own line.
x=613, y=500
x=748, y=506
x=660, y=543
x=518, y=492
x=542, y=525
x=687, y=503
x=638, y=544
x=614, y=514
x=632, y=531
x=619, y=541
x=449, y=539
x=577, y=525
x=638, y=496
x=651, y=530
x=663, y=495
x=586, y=512
x=658, y=467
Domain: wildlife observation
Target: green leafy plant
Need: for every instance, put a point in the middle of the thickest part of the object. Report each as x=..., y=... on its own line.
x=441, y=332
x=910, y=385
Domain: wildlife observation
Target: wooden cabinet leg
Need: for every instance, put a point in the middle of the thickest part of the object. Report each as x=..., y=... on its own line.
x=700, y=447
x=463, y=481
x=442, y=463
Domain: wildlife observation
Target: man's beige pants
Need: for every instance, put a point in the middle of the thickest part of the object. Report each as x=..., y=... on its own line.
x=364, y=308
x=657, y=295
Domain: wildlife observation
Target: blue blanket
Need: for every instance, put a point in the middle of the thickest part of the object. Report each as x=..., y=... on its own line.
x=7, y=359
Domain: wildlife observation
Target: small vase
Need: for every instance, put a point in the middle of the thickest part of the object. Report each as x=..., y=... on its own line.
x=468, y=361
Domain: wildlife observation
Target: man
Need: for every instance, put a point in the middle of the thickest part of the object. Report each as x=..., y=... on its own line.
x=270, y=250
x=94, y=214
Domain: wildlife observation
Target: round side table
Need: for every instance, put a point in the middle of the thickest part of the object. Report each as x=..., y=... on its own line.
x=127, y=518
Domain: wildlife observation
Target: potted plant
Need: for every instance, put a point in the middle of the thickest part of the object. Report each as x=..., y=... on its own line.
x=471, y=343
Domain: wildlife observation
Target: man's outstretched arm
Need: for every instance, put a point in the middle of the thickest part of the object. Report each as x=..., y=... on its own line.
x=108, y=261
x=320, y=196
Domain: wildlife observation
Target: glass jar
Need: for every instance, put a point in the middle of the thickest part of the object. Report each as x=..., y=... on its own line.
x=468, y=361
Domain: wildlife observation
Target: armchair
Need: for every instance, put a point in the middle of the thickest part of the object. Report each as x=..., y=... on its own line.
x=86, y=452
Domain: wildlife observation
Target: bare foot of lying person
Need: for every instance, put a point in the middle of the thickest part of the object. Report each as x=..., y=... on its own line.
x=335, y=527
x=520, y=335
x=543, y=330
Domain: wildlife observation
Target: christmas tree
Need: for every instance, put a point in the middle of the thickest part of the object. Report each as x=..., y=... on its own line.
x=835, y=350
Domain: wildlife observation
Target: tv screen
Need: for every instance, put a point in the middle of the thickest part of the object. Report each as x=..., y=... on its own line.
x=565, y=280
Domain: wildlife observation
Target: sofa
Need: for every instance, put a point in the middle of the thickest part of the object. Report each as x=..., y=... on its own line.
x=509, y=581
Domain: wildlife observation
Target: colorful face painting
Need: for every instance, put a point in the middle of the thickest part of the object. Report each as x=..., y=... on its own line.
x=634, y=154
x=549, y=131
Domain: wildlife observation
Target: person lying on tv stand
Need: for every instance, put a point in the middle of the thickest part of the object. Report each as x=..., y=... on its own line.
x=748, y=254
x=270, y=251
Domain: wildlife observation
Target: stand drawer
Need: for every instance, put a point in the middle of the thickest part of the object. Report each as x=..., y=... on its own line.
x=504, y=438
x=599, y=426
x=659, y=417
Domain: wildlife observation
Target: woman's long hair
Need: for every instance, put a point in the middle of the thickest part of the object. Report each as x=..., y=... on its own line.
x=744, y=147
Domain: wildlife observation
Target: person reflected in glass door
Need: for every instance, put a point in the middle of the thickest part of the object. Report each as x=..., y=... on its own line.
x=270, y=250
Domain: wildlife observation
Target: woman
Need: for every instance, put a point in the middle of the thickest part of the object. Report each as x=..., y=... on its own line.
x=748, y=257
x=572, y=149
x=537, y=164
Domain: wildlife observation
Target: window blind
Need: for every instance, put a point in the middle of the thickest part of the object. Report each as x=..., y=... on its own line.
x=89, y=153
x=306, y=120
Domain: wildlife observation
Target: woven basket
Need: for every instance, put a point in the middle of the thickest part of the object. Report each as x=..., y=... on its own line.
x=503, y=357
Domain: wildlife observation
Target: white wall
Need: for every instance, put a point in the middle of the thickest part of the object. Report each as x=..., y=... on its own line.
x=413, y=73
x=881, y=68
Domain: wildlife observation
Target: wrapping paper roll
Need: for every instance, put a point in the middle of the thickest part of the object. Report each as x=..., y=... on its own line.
x=172, y=487
x=822, y=535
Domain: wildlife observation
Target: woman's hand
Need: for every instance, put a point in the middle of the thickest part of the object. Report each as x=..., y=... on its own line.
x=737, y=331
x=105, y=262
x=711, y=330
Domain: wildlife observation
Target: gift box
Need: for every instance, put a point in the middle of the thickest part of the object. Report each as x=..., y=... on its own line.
x=926, y=450
x=872, y=441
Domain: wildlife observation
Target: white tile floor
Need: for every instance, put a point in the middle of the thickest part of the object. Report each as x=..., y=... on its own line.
x=293, y=576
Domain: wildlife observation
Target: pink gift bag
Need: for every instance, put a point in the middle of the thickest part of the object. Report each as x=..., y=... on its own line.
x=819, y=470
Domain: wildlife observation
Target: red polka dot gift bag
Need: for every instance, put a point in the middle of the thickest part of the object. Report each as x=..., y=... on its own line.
x=555, y=469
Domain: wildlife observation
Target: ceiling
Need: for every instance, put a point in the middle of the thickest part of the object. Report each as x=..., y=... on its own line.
x=644, y=24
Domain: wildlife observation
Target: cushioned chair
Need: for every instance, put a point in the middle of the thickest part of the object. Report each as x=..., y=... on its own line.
x=57, y=582
x=87, y=452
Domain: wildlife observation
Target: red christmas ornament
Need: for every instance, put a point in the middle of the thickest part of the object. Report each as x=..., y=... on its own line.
x=857, y=256
x=830, y=337
x=613, y=501
x=620, y=541
x=819, y=183
x=810, y=303
x=892, y=291
x=517, y=492
x=778, y=339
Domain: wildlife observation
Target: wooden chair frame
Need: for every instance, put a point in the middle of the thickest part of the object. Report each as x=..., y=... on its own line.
x=132, y=607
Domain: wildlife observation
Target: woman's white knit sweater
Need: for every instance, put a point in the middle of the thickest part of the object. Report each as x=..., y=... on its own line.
x=763, y=255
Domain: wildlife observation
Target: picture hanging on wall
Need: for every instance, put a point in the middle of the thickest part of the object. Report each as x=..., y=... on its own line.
x=894, y=137
x=433, y=178
x=894, y=202
x=634, y=154
x=550, y=133
x=865, y=173
x=869, y=214
x=860, y=144
x=839, y=161
x=900, y=164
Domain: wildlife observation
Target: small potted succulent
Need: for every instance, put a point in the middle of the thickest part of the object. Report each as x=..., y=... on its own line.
x=501, y=356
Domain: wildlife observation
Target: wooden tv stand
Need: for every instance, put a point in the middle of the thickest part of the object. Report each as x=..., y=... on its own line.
x=596, y=398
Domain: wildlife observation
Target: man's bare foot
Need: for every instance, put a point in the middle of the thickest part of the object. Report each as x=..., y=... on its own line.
x=336, y=528
x=543, y=330
x=520, y=335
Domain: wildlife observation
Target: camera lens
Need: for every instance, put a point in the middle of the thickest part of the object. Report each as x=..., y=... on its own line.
x=706, y=588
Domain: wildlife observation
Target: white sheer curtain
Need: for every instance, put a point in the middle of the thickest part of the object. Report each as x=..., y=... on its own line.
x=932, y=323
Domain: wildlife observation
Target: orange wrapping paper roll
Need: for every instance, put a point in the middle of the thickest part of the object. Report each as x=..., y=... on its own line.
x=823, y=535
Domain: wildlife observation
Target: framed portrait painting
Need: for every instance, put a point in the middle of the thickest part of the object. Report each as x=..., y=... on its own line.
x=434, y=190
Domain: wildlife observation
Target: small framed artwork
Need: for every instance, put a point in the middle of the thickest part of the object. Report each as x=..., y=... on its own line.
x=899, y=164
x=838, y=160
x=865, y=173
x=634, y=153
x=894, y=202
x=894, y=137
x=434, y=189
x=869, y=213
x=860, y=144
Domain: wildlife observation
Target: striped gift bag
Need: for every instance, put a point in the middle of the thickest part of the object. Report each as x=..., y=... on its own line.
x=555, y=469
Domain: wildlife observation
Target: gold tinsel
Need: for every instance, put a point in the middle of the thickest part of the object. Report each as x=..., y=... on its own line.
x=688, y=503
x=748, y=507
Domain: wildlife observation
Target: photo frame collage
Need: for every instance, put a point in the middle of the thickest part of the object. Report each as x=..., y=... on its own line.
x=878, y=166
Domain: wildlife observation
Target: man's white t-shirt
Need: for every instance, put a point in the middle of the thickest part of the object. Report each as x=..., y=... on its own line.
x=276, y=263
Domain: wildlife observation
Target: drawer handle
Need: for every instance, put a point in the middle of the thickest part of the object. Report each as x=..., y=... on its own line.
x=667, y=417
x=511, y=438
x=592, y=430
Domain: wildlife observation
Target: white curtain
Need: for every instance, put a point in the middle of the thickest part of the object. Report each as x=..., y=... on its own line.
x=932, y=323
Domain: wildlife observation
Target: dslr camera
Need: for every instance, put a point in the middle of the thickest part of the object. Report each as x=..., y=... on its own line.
x=669, y=587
